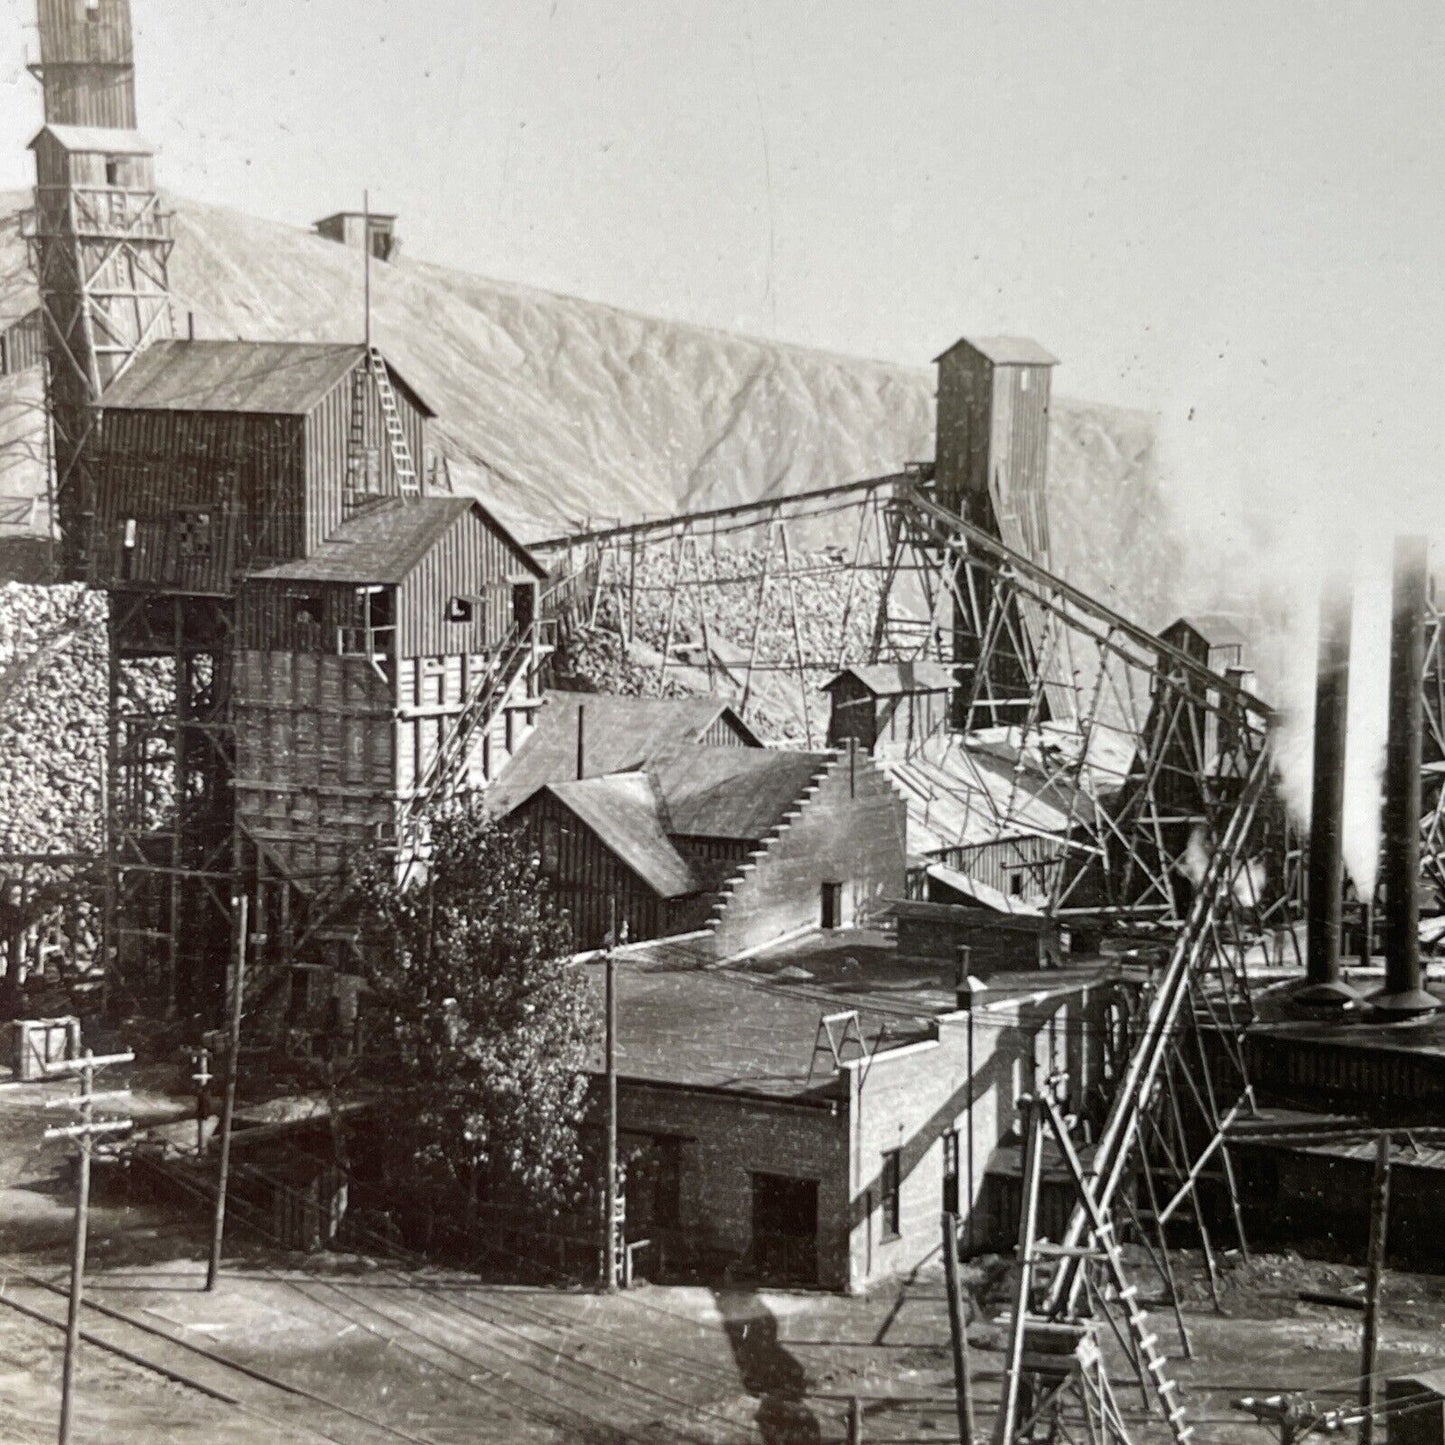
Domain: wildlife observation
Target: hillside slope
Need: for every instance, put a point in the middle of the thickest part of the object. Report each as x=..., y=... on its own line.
x=567, y=410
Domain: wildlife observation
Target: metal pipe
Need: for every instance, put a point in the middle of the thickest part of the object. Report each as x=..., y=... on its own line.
x=1403, y=757
x=1326, y=856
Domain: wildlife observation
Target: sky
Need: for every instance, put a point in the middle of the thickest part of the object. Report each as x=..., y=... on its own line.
x=1229, y=214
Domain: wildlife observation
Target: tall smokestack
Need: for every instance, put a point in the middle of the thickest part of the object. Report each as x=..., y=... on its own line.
x=581, y=741
x=1402, y=993
x=1323, y=984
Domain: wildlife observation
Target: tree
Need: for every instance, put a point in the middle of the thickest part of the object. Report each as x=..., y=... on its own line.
x=479, y=1028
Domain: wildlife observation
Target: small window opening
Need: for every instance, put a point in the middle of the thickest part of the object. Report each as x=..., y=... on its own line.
x=306, y=609
x=193, y=535
x=460, y=609
x=1016, y=885
x=112, y=171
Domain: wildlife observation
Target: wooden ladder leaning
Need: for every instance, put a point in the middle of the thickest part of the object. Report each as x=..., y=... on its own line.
x=401, y=458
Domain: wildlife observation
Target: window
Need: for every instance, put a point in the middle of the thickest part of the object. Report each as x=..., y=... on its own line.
x=306, y=609
x=193, y=535
x=112, y=170
x=889, y=1186
x=1016, y=885
x=460, y=609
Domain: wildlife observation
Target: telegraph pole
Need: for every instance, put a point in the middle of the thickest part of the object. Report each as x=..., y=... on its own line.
x=610, y=1200
x=228, y=1104
x=84, y=1134
x=958, y=1328
x=1379, y=1229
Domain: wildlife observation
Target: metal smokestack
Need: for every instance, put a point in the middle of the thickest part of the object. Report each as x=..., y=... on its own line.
x=581, y=741
x=1323, y=984
x=1402, y=993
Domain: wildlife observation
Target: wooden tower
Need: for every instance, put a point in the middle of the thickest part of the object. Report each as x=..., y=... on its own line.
x=99, y=241
x=990, y=469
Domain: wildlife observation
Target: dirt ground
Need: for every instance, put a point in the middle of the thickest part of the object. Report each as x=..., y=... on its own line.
x=358, y=1352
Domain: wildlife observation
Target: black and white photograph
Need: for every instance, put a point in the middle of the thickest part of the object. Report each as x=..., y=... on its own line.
x=722, y=721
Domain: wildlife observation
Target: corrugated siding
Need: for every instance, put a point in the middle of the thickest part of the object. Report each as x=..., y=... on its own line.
x=328, y=440
x=168, y=470
x=73, y=31
x=71, y=37
x=315, y=756
x=723, y=733
x=1020, y=457
x=1033, y=861
x=471, y=560
x=23, y=344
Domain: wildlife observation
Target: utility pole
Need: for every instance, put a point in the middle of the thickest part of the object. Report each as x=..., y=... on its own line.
x=84, y=1134
x=228, y=1104
x=1379, y=1228
x=366, y=261
x=958, y=1328
x=610, y=1200
x=201, y=1078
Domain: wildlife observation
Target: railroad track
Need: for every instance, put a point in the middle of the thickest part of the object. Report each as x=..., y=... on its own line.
x=290, y=1412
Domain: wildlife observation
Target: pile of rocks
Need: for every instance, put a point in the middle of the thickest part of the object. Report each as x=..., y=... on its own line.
x=53, y=699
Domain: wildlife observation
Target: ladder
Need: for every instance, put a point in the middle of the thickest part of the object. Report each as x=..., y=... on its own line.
x=1101, y=1231
x=401, y=458
x=356, y=480
x=484, y=702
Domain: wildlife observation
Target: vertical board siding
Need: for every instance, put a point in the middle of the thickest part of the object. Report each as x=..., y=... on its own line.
x=315, y=763
x=470, y=559
x=160, y=468
x=268, y=617
x=589, y=878
x=328, y=447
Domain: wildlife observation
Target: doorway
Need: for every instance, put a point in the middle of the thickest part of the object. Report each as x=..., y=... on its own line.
x=832, y=905
x=785, y=1228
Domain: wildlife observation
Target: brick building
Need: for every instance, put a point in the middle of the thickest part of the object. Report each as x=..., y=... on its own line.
x=804, y=1114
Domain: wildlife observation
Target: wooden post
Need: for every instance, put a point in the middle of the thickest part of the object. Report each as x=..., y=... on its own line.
x=1027, y=1243
x=201, y=1078
x=366, y=262
x=1379, y=1228
x=77, y=1257
x=228, y=1104
x=855, y=1421
x=609, y=1204
x=83, y=1133
x=958, y=1328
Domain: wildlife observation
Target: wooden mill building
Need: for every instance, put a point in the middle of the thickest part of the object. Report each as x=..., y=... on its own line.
x=340, y=647
x=668, y=813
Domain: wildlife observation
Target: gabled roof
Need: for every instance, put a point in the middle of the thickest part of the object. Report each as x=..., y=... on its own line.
x=621, y=734
x=1215, y=628
x=96, y=140
x=739, y=793
x=1004, y=350
x=379, y=546
x=896, y=679
x=266, y=378
x=622, y=810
